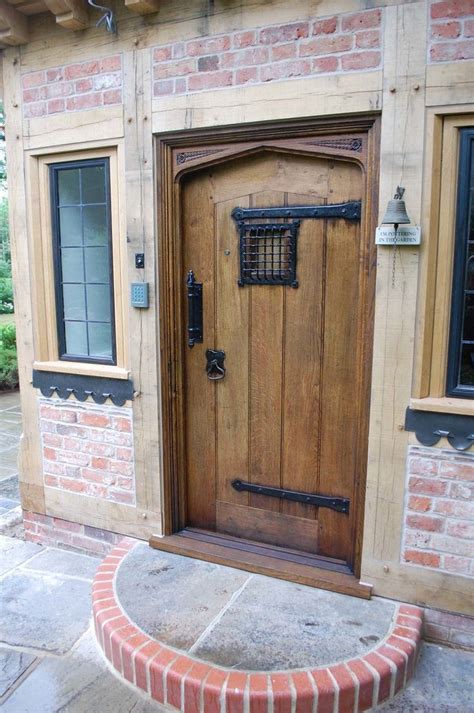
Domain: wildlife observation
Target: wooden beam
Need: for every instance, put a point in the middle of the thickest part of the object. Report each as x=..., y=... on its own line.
x=143, y=7
x=13, y=25
x=70, y=14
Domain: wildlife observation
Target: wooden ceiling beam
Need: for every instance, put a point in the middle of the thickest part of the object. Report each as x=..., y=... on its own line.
x=13, y=25
x=143, y=7
x=70, y=14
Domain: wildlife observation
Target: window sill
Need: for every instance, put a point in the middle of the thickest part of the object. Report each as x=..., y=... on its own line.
x=444, y=404
x=83, y=369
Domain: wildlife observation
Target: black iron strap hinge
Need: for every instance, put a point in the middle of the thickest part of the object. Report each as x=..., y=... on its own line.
x=321, y=501
x=350, y=211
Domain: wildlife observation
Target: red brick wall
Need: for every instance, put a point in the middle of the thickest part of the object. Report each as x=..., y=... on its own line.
x=439, y=511
x=73, y=87
x=449, y=628
x=342, y=43
x=451, y=30
x=55, y=532
x=88, y=449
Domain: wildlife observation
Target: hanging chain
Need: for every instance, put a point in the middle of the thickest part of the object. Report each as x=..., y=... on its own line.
x=394, y=256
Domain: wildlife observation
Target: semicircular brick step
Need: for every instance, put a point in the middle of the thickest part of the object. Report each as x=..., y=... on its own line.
x=181, y=679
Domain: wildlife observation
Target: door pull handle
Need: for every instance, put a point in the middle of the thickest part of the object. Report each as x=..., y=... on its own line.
x=194, y=310
x=215, y=364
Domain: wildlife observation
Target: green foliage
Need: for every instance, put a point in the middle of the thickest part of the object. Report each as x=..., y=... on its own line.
x=8, y=358
x=6, y=288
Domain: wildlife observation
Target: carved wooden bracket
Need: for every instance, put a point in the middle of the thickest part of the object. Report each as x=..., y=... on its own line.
x=70, y=14
x=143, y=7
x=13, y=25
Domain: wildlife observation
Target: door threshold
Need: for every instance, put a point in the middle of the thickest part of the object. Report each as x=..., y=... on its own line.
x=272, y=561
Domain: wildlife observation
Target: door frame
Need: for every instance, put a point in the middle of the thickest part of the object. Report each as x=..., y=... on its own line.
x=182, y=152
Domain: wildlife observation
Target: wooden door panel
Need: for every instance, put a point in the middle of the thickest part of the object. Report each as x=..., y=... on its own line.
x=265, y=377
x=302, y=354
x=340, y=367
x=286, y=413
x=267, y=526
x=199, y=256
x=232, y=335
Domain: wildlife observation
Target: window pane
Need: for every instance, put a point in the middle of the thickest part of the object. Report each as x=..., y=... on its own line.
x=100, y=339
x=76, y=337
x=467, y=365
x=98, y=303
x=68, y=187
x=95, y=225
x=97, y=264
x=84, y=280
x=74, y=302
x=470, y=268
x=70, y=226
x=93, y=184
x=72, y=264
x=468, y=327
x=460, y=372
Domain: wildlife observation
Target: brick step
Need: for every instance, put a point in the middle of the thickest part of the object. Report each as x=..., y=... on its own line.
x=173, y=677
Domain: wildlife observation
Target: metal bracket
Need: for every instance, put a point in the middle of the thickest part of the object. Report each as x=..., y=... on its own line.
x=430, y=426
x=321, y=501
x=81, y=387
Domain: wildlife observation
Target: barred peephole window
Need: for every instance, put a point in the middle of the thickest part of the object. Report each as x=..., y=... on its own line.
x=82, y=250
x=268, y=253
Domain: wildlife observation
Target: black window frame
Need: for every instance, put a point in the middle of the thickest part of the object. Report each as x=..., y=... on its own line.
x=54, y=169
x=466, y=159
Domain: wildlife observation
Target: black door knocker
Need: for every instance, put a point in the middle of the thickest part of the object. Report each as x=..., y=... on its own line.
x=215, y=364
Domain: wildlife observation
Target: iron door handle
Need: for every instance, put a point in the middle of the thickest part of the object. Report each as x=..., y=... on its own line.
x=215, y=364
x=194, y=310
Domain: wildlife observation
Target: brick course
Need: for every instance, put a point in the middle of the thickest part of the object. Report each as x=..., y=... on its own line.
x=55, y=532
x=73, y=87
x=449, y=628
x=439, y=511
x=451, y=30
x=349, y=42
x=88, y=449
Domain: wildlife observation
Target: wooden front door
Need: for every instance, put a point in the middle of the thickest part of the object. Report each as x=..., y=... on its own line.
x=286, y=414
x=290, y=413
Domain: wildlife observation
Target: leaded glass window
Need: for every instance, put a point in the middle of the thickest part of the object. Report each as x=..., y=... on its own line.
x=460, y=376
x=83, y=260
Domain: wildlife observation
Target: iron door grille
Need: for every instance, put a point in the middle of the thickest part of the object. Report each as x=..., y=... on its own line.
x=268, y=253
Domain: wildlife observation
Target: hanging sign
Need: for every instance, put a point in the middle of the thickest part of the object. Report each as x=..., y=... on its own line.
x=410, y=235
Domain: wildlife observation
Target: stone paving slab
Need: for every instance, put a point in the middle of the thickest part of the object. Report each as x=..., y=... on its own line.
x=12, y=665
x=177, y=597
x=243, y=621
x=9, y=399
x=276, y=625
x=444, y=683
x=77, y=683
x=64, y=562
x=14, y=552
x=9, y=488
x=43, y=611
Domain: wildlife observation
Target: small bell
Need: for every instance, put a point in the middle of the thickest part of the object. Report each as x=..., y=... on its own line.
x=396, y=213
